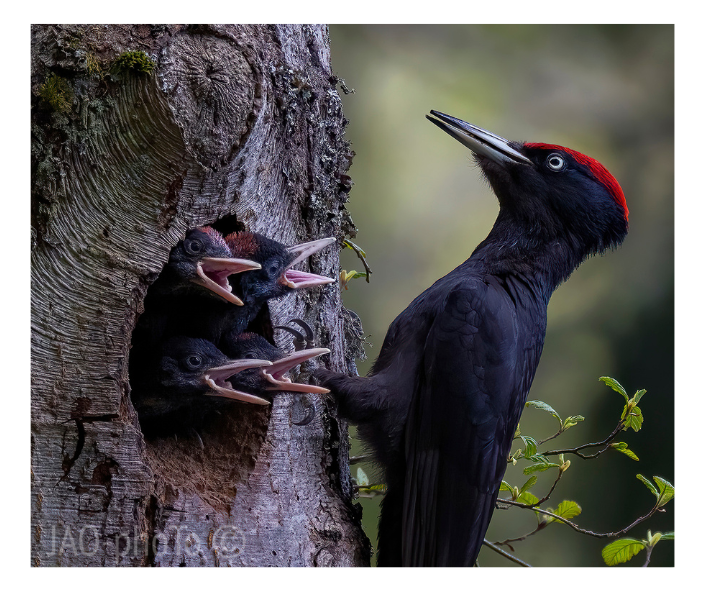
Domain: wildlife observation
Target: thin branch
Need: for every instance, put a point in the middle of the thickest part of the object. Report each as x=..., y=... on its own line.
x=648, y=555
x=362, y=257
x=548, y=494
x=576, y=450
x=556, y=434
x=580, y=529
x=509, y=541
x=506, y=554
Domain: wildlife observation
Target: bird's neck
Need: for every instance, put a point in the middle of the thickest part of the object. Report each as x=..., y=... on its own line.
x=524, y=249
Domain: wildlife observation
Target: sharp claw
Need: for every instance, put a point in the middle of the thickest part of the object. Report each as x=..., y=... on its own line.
x=298, y=337
x=293, y=331
x=307, y=329
x=301, y=341
x=310, y=410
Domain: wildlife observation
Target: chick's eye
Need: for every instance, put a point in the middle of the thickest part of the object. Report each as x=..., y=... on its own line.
x=194, y=361
x=193, y=246
x=555, y=162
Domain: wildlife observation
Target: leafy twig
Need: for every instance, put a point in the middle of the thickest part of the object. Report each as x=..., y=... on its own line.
x=576, y=450
x=580, y=529
x=360, y=255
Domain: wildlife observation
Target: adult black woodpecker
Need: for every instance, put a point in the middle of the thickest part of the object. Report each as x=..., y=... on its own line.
x=276, y=277
x=266, y=380
x=188, y=370
x=443, y=399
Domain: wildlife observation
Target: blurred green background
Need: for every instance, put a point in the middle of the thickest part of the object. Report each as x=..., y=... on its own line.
x=421, y=207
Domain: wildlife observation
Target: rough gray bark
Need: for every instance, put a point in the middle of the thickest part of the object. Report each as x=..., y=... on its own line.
x=238, y=121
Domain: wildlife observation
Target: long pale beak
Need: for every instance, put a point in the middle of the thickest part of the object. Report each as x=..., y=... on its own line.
x=275, y=373
x=480, y=141
x=216, y=378
x=300, y=279
x=213, y=274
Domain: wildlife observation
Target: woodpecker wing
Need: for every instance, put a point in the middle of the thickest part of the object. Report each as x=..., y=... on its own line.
x=461, y=424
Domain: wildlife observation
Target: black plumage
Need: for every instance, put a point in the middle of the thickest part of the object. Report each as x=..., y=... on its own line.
x=193, y=282
x=192, y=304
x=443, y=400
x=200, y=265
x=275, y=279
x=187, y=372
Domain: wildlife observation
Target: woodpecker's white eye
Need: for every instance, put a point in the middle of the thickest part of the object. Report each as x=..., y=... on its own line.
x=555, y=162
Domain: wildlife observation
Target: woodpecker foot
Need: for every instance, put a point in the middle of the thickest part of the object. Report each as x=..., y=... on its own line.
x=303, y=406
x=302, y=340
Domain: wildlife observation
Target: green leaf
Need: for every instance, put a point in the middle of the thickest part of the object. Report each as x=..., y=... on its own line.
x=669, y=536
x=361, y=477
x=346, y=277
x=666, y=490
x=622, y=447
x=543, y=406
x=572, y=421
x=616, y=386
x=528, y=484
x=634, y=418
x=505, y=486
x=530, y=446
x=527, y=498
x=566, y=510
x=638, y=395
x=540, y=467
x=648, y=484
x=621, y=551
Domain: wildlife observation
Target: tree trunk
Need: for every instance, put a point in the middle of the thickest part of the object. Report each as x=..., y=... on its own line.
x=240, y=126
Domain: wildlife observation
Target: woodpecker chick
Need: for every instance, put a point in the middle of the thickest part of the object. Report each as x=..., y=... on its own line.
x=200, y=264
x=275, y=279
x=187, y=370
